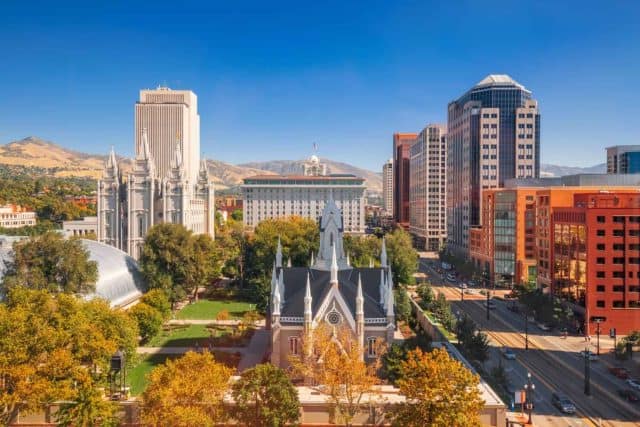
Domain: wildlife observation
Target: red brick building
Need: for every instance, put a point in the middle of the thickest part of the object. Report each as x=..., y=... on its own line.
x=596, y=258
x=402, y=143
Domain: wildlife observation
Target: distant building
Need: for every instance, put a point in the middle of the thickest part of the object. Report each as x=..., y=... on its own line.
x=387, y=187
x=282, y=196
x=493, y=135
x=331, y=292
x=402, y=143
x=427, y=188
x=87, y=226
x=623, y=159
x=164, y=189
x=14, y=216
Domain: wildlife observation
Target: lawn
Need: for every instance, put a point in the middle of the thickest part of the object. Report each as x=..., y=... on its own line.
x=136, y=377
x=208, y=309
x=183, y=336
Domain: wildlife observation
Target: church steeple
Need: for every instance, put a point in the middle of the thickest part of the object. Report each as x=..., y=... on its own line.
x=359, y=298
x=279, y=254
x=307, y=298
x=383, y=254
x=334, y=266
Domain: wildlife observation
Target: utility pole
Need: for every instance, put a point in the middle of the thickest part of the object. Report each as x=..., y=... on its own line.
x=587, y=372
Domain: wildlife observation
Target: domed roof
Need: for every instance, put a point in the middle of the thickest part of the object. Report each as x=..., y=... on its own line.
x=119, y=278
x=314, y=159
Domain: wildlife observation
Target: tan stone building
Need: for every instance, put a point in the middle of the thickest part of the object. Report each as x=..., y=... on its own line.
x=331, y=292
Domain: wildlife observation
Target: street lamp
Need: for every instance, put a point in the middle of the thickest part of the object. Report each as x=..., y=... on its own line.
x=529, y=388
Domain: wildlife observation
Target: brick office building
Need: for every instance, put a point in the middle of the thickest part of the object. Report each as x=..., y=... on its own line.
x=596, y=258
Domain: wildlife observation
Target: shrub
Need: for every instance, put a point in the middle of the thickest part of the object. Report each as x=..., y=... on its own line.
x=148, y=319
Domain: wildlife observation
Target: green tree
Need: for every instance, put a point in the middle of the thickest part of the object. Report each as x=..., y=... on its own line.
x=265, y=397
x=51, y=262
x=427, y=297
x=157, y=299
x=166, y=258
x=363, y=249
x=232, y=242
x=440, y=391
x=402, y=304
x=204, y=264
x=403, y=258
x=148, y=319
x=237, y=215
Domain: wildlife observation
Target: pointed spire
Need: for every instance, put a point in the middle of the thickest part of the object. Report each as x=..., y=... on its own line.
x=289, y=262
x=382, y=287
x=111, y=160
x=390, y=298
x=281, y=285
x=274, y=279
x=334, y=265
x=177, y=157
x=307, y=297
x=312, y=262
x=359, y=297
x=279, y=254
x=383, y=253
x=276, y=302
x=144, y=153
x=348, y=260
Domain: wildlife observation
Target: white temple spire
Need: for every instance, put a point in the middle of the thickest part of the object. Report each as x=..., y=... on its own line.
x=348, y=260
x=383, y=253
x=307, y=297
x=144, y=152
x=390, y=298
x=313, y=261
x=111, y=160
x=279, y=254
x=281, y=286
x=334, y=265
x=274, y=279
x=359, y=298
x=382, y=287
x=177, y=157
x=289, y=262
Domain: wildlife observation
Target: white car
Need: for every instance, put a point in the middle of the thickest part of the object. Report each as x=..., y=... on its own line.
x=508, y=354
x=543, y=327
x=462, y=285
x=451, y=277
x=633, y=383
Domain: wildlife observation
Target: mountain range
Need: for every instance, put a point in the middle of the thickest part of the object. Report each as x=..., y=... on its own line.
x=53, y=159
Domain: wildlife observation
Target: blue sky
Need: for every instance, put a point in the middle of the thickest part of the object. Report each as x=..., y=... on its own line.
x=272, y=78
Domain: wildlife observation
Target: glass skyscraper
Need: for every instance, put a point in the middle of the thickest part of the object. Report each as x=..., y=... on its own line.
x=623, y=159
x=494, y=135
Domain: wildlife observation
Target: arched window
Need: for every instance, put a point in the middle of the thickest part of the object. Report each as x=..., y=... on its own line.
x=331, y=239
x=371, y=346
x=293, y=345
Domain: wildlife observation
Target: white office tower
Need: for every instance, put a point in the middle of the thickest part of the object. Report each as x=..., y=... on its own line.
x=178, y=192
x=387, y=187
x=169, y=116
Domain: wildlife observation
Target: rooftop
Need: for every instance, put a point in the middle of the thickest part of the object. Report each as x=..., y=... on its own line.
x=498, y=80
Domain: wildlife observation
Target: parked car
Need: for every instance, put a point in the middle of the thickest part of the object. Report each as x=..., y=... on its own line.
x=628, y=395
x=543, y=327
x=462, y=285
x=508, y=354
x=563, y=403
x=473, y=283
x=635, y=384
x=620, y=372
x=591, y=355
x=451, y=277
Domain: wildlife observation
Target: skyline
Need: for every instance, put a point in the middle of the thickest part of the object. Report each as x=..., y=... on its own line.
x=74, y=76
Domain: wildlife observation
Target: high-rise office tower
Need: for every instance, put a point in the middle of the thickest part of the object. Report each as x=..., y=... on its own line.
x=170, y=118
x=428, y=188
x=402, y=142
x=493, y=135
x=623, y=159
x=387, y=187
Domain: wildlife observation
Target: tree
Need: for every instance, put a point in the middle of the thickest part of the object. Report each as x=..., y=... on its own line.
x=403, y=258
x=425, y=292
x=51, y=262
x=403, y=305
x=236, y=215
x=148, y=319
x=166, y=258
x=333, y=358
x=440, y=392
x=88, y=407
x=232, y=243
x=157, y=299
x=203, y=263
x=187, y=391
x=265, y=397
x=362, y=250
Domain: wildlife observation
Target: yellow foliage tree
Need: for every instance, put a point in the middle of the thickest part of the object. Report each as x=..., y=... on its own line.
x=333, y=360
x=440, y=392
x=186, y=392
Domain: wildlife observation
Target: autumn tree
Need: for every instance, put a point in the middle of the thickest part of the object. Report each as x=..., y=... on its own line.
x=402, y=257
x=439, y=390
x=53, y=263
x=333, y=359
x=265, y=397
x=157, y=299
x=88, y=407
x=187, y=391
x=148, y=319
x=232, y=242
x=204, y=263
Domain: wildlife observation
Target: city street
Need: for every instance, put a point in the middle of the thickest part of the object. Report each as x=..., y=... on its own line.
x=553, y=361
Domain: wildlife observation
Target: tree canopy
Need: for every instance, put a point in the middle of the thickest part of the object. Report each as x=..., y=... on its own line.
x=402, y=257
x=187, y=391
x=440, y=392
x=363, y=249
x=53, y=263
x=265, y=397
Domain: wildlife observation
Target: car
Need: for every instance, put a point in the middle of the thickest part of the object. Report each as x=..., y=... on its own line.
x=473, y=283
x=563, y=403
x=543, y=327
x=508, y=354
x=451, y=277
x=591, y=355
x=620, y=372
x=462, y=285
x=635, y=384
x=628, y=395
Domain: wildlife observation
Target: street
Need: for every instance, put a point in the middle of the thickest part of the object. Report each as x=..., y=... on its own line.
x=553, y=361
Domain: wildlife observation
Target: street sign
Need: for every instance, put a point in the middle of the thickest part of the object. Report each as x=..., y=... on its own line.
x=598, y=319
x=519, y=397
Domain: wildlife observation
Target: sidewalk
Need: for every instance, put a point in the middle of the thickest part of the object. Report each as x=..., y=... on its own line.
x=231, y=322
x=182, y=350
x=255, y=351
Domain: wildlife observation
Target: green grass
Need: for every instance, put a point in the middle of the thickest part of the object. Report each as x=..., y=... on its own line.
x=136, y=377
x=187, y=336
x=208, y=310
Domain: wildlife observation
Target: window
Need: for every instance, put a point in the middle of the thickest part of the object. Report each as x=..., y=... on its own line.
x=599, y=288
x=371, y=346
x=618, y=288
x=618, y=247
x=293, y=345
x=618, y=304
x=618, y=274
x=635, y=233
x=618, y=219
x=600, y=233
x=140, y=226
x=600, y=274
x=600, y=260
x=600, y=246
x=600, y=219
x=600, y=304
x=618, y=260
x=618, y=233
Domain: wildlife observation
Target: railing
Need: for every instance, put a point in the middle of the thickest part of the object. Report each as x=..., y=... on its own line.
x=292, y=319
x=375, y=321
